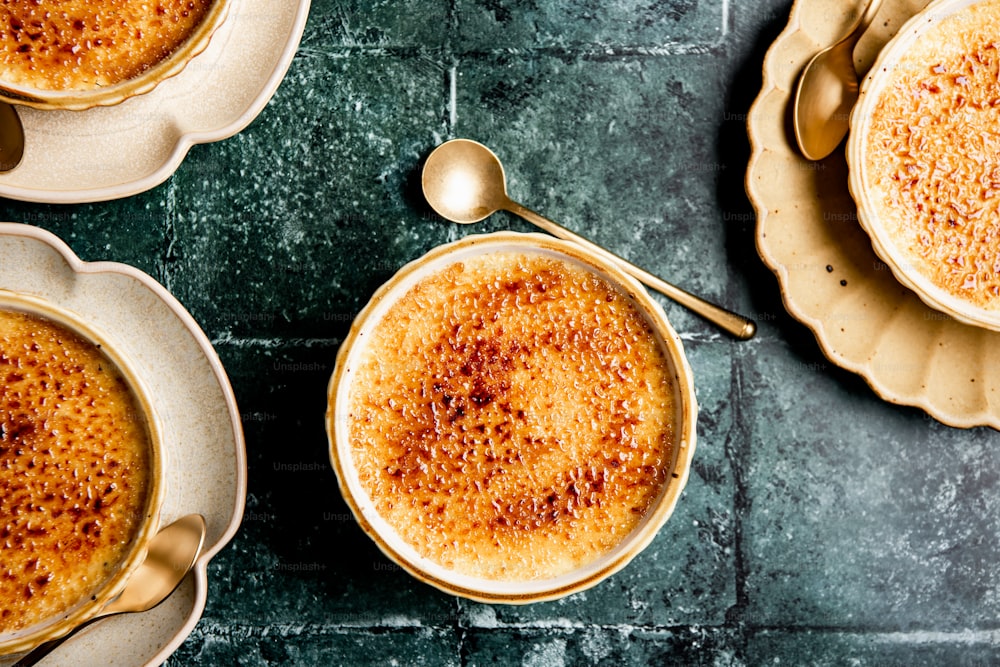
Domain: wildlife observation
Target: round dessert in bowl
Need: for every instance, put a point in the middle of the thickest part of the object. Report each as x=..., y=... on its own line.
x=80, y=472
x=511, y=418
x=77, y=54
x=924, y=158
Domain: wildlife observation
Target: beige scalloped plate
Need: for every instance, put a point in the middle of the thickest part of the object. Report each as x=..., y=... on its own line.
x=204, y=455
x=831, y=280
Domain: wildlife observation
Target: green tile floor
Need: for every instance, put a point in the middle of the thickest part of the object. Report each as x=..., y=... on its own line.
x=820, y=526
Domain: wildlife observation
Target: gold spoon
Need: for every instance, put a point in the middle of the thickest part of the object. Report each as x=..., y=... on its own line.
x=464, y=182
x=11, y=137
x=827, y=90
x=171, y=556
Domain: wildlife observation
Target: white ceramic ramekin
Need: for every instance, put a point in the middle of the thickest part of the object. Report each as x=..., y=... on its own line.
x=142, y=83
x=486, y=590
x=54, y=627
x=880, y=218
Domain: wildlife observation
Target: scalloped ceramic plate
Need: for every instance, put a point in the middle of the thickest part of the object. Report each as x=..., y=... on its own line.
x=204, y=455
x=831, y=280
x=112, y=152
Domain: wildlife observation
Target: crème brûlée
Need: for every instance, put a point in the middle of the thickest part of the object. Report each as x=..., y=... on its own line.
x=933, y=156
x=75, y=469
x=87, y=44
x=512, y=416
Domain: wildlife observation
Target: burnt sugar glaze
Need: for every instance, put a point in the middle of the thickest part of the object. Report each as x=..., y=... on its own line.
x=933, y=156
x=74, y=469
x=512, y=417
x=86, y=44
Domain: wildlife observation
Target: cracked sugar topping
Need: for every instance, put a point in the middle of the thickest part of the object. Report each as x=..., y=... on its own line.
x=74, y=469
x=512, y=417
x=86, y=44
x=933, y=159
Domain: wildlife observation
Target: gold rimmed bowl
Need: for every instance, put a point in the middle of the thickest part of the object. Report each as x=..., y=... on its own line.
x=924, y=159
x=83, y=580
x=59, y=75
x=485, y=426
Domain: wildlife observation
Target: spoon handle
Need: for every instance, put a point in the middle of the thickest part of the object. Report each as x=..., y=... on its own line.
x=865, y=20
x=737, y=325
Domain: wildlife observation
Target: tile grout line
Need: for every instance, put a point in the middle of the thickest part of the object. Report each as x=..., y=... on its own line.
x=227, y=339
x=461, y=633
x=170, y=235
x=590, y=51
x=453, y=98
x=208, y=625
x=453, y=70
x=737, y=442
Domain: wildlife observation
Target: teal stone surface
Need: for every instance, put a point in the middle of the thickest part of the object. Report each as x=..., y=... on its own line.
x=821, y=525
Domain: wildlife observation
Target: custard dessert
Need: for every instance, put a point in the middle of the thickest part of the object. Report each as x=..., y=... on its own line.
x=75, y=457
x=932, y=158
x=86, y=44
x=512, y=416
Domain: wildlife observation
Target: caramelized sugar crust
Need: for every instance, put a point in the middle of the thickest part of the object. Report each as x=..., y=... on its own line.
x=74, y=469
x=934, y=155
x=86, y=44
x=513, y=417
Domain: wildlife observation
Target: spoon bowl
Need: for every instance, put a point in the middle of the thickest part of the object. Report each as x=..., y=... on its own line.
x=11, y=137
x=172, y=553
x=827, y=91
x=464, y=182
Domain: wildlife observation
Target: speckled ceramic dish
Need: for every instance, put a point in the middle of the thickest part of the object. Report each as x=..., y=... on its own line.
x=150, y=77
x=111, y=152
x=204, y=457
x=920, y=159
x=66, y=620
x=831, y=279
x=481, y=385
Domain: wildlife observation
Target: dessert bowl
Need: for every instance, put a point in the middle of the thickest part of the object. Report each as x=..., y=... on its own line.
x=99, y=53
x=511, y=418
x=924, y=158
x=82, y=469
